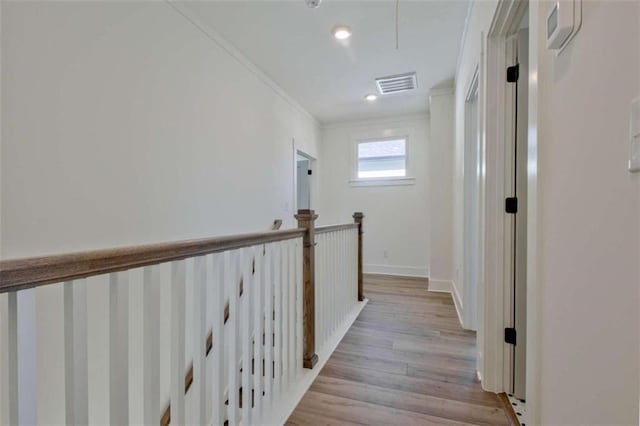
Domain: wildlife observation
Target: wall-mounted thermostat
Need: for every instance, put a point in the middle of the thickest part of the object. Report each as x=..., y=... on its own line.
x=563, y=22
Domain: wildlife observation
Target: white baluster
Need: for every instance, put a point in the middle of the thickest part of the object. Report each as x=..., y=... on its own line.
x=151, y=345
x=75, y=341
x=50, y=373
x=354, y=264
x=177, y=348
x=344, y=278
x=323, y=289
x=231, y=274
x=299, y=306
x=118, y=348
x=208, y=328
x=341, y=280
x=98, y=364
x=284, y=252
x=199, y=321
x=247, y=335
x=277, y=349
x=334, y=281
x=217, y=302
x=8, y=359
x=268, y=329
x=260, y=337
x=293, y=289
x=318, y=292
x=338, y=277
x=136, y=344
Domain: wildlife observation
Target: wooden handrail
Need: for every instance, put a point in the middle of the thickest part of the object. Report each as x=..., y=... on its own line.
x=334, y=228
x=19, y=274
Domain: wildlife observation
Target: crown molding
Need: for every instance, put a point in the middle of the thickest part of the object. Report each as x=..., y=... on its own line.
x=215, y=37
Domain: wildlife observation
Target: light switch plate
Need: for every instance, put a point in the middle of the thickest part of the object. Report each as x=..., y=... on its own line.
x=634, y=137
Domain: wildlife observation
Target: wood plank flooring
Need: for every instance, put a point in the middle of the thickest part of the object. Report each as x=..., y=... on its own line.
x=405, y=361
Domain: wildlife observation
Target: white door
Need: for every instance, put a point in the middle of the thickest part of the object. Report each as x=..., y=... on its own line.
x=303, y=182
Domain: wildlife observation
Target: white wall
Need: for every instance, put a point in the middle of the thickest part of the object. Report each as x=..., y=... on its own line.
x=396, y=217
x=127, y=123
x=441, y=214
x=589, y=221
x=124, y=123
x=479, y=21
x=583, y=287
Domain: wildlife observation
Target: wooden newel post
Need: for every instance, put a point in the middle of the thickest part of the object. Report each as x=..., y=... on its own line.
x=357, y=217
x=306, y=220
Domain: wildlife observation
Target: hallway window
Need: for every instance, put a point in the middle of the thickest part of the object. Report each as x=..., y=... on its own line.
x=382, y=159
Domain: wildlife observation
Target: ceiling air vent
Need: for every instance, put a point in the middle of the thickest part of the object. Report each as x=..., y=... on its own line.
x=397, y=83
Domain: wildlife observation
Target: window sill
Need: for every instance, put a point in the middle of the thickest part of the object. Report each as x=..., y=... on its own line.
x=390, y=181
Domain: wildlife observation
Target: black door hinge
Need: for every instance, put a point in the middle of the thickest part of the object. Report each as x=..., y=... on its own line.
x=511, y=205
x=309, y=172
x=513, y=73
x=510, y=336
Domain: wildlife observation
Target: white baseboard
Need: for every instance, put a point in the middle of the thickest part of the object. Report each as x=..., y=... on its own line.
x=293, y=397
x=447, y=286
x=397, y=270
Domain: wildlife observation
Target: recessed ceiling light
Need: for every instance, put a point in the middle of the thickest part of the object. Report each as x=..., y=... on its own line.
x=342, y=33
x=371, y=97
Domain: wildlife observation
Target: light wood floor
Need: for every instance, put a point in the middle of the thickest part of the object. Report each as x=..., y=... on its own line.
x=405, y=361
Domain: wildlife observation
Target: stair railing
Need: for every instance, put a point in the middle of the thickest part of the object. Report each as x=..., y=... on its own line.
x=114, y=330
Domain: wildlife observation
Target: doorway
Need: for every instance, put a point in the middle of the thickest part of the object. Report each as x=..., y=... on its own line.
x=304, y=173
x=505, y=117
x=471, y=205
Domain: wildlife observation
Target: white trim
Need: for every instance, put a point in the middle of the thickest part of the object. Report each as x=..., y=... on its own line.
x=214, y=36
x=497, y=285
x=467, y=19
x=473, y=87
x=398, y=270
x=389, y=181
x=457, y=298
x=534, y=301
x=471, y=238
x=304, y=381
x=447, y=286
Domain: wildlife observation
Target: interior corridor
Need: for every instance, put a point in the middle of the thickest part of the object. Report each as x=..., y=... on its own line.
x=405, y=360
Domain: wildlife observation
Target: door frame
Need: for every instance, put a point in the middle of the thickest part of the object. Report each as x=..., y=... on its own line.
x=471, y=189
x=506, y=21
x=312, y=181
x=497, y=360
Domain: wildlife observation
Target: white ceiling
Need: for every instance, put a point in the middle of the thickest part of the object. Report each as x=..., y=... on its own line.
x=294, y=45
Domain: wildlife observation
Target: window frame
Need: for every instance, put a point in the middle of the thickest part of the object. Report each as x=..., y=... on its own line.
x=382, y=136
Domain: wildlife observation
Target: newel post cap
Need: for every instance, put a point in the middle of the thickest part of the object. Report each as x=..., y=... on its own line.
x=306, y=215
